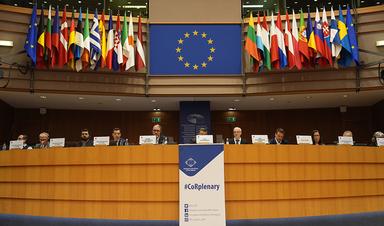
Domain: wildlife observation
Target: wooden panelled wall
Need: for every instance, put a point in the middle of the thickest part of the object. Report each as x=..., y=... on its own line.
x=68, y=123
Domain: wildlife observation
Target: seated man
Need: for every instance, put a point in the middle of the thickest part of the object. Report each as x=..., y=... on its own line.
x=24, y=138
x=160, y=138
x=279, y=137
x=86, y=140
x=237, y=137
x=43, y=141
x=116, y=138
x=347, y=133
x=377, y=134
x=202, y=131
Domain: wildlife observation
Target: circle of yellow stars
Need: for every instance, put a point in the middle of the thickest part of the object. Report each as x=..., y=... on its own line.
x=182, y=59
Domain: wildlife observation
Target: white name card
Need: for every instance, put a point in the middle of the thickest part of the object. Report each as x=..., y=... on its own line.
x=304, y=139
x=151, y=139
x=15, y=144
x=56, y=142
x=346, y=140
x=204, y=139
x=380, y=141
x=101, y=141
x=260, y=139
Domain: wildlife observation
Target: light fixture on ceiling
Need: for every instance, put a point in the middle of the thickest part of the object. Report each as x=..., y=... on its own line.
x=134, y=6
x=118, y=99
x=380, y=43
x=272, y=99
x=153, y=101
x=156, y=109
x=236, y=100
x=6, y=43
x=345, y=96
x=253, y=6
x=43, y=97
x=232, y=109
x=81, y=98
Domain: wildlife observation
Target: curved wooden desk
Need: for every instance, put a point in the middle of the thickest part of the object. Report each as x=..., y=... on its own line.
x=141, y=182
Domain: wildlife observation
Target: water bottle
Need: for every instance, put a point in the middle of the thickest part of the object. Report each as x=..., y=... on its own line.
x=165, y=140
x=227, y=141
x=4, y=146
x=126, y=142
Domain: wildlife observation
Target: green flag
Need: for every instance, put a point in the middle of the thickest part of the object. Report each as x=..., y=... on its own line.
x=87, y=43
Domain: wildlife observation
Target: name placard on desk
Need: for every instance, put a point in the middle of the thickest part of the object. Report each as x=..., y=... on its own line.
x=147, y=139
x=260, y=139
x=380, y=141
x=57, y=142
x=204, y=139
x=345, y=140
x=15, y=144
x=304, y=139
x=101, y=141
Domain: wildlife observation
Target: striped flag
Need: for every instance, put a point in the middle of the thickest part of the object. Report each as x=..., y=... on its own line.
x=127, y=41
x=95, y=41
x=266, y=44
x=281, y=43
x=103, y=41
x=87, y=44
x=79, y=43
x=250, y=44
x=117, y=54
x=63, y=45
x=55, y=38
x=48, y=40
x=319, y=37
x=71, y=43
x=40, y=41
x=327, y=42
x=140, y=56
x=31, y=41
x=289, y=43
x=110, y=42
x=311, y=39
x=335, y=39
x=259, y=41
x=295, y=40
x=303, y=42
x=274, y=45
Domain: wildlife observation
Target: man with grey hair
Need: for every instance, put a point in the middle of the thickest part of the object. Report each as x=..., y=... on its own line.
x=377, y=134
x=43, y=141
x=160, y=138
x=237, y=137
x=347, y=133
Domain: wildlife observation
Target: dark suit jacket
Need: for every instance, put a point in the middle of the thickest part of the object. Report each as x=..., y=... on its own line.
x=161, y=139
x=88, y=143
x=273, y=141
x=242, y=141
x=120, y=142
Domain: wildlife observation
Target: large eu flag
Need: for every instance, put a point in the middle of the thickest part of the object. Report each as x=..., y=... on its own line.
x=195, y=49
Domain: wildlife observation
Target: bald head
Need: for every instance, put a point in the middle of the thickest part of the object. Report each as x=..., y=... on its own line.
x=237, y=132
x=347, y=133
x=156, y=130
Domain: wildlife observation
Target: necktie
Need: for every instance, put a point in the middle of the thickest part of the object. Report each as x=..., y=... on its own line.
x=237, y=141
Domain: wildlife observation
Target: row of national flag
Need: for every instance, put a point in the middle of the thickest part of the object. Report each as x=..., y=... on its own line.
x=303, y=45
x=83, y=47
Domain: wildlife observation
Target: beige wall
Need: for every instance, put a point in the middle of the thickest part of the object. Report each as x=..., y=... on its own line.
x=196, y=11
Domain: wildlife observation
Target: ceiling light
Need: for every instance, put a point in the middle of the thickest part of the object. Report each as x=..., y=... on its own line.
x=308, y=97
x=236, y=100
x=134, y=6
x=43, y=97
x=379, y=43
x=118, y=99
x=232, y=109
x=6, y=43
x=156, y=109
x=15, y=4
x=271, y=99
x=345, y=95
x=153, y=101
x=81, y=98
x=253, y=6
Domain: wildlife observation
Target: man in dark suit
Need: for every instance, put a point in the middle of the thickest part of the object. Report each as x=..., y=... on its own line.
x=24, y=138
x=237, y=137
x=202, y=131
x=43, y=141
x=279, y=137
x=116, y=138
x=160, y=138
x=86, y=140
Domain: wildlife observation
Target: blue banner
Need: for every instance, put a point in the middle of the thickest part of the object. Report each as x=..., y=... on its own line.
x=193, y=116
x=195, y=49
